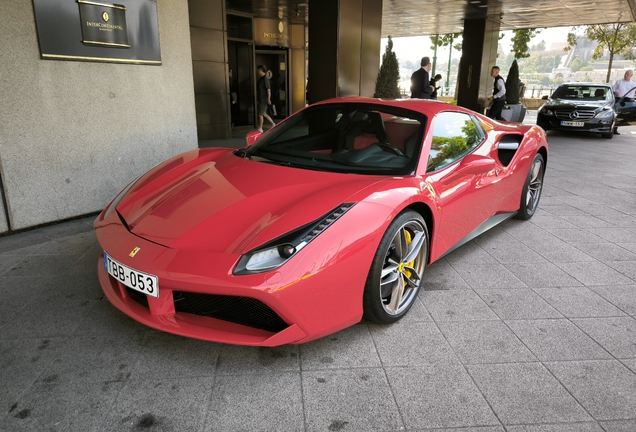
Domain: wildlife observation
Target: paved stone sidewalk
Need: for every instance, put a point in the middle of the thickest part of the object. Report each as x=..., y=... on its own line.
x=531, y=327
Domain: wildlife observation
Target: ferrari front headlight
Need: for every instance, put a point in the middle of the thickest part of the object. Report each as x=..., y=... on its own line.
x=277, y=252
x=267, y=259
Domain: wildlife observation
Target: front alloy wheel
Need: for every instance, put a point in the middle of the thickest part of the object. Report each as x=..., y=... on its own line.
x=532, y=189
x=396, y=273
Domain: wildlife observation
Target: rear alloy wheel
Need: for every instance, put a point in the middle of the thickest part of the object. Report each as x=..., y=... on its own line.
x=531, y=191
x=396, y=273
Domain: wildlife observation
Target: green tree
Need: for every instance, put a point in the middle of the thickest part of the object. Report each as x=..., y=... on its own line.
x=386, y=86
x=512, y=84
x=449, y=40
x=617, y=39
x=520, y=41
x=577, y=64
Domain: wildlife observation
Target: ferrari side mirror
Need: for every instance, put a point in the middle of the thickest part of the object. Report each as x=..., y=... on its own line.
x=252, y=137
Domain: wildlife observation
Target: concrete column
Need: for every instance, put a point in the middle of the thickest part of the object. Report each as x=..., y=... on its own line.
x=208, y=35
x=479, y=55
x=344, y=48
x=297, y=67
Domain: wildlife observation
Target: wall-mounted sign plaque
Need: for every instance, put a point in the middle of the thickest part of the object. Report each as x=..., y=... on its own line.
x=87, y=30
x=271, y=32
x=103, y=24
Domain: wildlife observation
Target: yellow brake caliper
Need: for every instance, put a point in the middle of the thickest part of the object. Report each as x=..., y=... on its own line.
x=409, y=239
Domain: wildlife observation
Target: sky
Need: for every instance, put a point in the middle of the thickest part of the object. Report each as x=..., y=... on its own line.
x=416, y=47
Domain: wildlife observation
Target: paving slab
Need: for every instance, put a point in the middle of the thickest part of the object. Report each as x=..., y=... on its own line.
x=439, y=396
x=350, y=399
x=616, y=335
x=521, y=393
x=557, y=339
x=606, y=389
x=256, y=402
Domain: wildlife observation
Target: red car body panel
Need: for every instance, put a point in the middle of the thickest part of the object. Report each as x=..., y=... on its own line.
x=195, y=215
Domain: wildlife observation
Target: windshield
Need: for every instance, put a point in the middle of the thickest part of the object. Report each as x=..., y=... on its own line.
x=583, y=93
x=351, y=138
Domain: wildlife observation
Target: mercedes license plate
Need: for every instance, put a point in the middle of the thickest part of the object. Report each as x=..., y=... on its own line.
x=139, y=281
x=572, y=123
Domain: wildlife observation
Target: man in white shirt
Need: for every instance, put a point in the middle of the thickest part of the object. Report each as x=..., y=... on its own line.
x=624, y=88
x=498, y=97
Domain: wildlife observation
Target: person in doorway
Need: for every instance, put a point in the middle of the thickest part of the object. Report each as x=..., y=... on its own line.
x=263, y=97
x=434, y=82
x=498, y=97
x=421, y=87
x=624, y=88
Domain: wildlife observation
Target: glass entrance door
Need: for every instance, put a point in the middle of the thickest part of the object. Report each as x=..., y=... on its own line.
x=276, y=63
x=242, y=70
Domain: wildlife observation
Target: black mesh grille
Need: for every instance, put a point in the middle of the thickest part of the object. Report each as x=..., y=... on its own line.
x=140, y=298
x=240, y=310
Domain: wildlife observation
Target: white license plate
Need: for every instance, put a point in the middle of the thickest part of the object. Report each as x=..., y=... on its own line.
x=572, y=123
x=139, y=281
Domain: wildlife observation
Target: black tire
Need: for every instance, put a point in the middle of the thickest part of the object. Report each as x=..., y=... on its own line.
x=531, y=192
x=608, y=135
x=387, y=299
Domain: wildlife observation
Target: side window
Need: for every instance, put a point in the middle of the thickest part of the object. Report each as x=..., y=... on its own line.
x=454, y=136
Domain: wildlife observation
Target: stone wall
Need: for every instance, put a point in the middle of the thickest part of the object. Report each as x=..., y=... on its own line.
x=72, y=134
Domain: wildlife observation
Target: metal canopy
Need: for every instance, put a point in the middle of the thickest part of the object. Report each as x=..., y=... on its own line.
x=420, y=17
x=415, y=18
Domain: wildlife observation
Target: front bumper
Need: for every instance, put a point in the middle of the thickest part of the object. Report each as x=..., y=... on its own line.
x=594, y=125
x=302, y=293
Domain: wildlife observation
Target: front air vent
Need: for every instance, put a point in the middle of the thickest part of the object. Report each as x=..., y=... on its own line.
x=239, y=310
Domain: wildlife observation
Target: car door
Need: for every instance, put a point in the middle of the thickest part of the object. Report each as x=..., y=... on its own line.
x=463, y=175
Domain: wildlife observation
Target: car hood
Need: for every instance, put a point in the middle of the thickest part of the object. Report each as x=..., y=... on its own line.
x=219, y=202
x=575, y=104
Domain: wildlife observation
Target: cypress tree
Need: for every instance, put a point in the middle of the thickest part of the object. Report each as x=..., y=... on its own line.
x=512, y=84
x=386, y=86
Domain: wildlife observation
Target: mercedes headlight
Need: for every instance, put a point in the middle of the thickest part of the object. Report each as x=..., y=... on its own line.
x=547, y=112
x=605, y=114
x=277, y=252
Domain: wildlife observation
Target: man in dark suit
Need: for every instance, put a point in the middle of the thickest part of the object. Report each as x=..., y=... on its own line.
x=498, y=97
x=420, y=85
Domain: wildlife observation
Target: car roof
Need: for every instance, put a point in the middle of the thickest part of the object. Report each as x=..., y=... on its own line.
x=582, y=84
x=423, y=106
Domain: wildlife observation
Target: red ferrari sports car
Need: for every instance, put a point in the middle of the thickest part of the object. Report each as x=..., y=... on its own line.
x=331, y=216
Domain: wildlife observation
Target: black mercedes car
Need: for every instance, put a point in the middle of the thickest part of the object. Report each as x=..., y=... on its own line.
x=581, y=107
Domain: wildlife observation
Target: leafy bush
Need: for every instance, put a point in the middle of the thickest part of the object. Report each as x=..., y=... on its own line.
x=512, y=84
x=386, y=86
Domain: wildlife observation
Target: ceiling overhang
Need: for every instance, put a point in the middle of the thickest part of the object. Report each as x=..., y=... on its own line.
x=415, y=18
x=408, y=18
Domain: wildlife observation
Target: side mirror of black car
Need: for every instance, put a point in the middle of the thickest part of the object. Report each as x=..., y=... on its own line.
x=544, y=97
